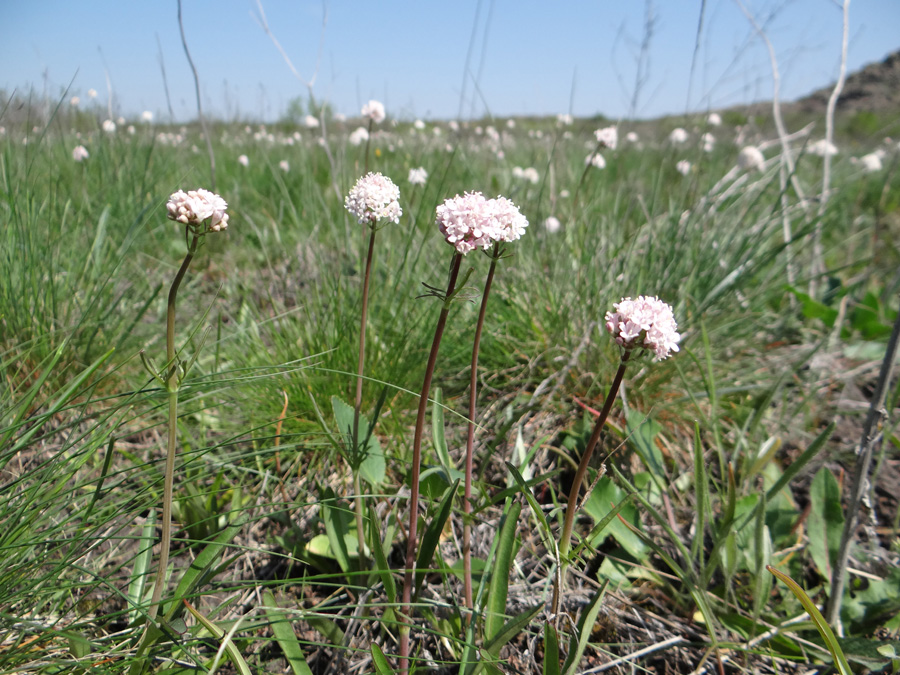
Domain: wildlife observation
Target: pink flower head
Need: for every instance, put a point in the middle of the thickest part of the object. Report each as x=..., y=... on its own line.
x=374, y=110
x=374, y=198
x=467, y=222
x=647, y=323
x=196, y=206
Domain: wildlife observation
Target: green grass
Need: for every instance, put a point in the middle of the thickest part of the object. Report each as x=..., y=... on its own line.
x=88, y=255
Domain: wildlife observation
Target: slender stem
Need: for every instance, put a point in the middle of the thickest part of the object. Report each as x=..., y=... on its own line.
x=368, y=140
x=405, y=610
x=470, y=440
x=354, y=439
x=572, y=504
x=172, y=387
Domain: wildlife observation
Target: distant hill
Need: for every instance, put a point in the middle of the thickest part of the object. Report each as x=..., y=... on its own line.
x=875, y=88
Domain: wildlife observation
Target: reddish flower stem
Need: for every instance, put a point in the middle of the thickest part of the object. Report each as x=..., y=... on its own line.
x=405, y=609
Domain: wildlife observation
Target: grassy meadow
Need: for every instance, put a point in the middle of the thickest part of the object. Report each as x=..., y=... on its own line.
x=735, y=453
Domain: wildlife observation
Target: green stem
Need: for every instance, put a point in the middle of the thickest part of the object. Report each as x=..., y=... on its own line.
x=354, y=439
x=470, y=440
x=172, y=387
x=405, y=610
x=572, y=504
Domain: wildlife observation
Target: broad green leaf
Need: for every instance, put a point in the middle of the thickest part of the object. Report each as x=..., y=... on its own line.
x=825, y=522
x=604, y=500
x=551, y=650
x=642, y=432
x=382, y=667
x=499, y=584
x=285, y=635
x=368, y=458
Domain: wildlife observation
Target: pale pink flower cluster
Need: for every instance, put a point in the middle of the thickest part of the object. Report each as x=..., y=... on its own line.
x=374, y=110
x=80, y=153
x=109, y=126
x=358, y=135
x=374, y=198
x=471, y=221
x=195, y=206
x=683, y=167
x=750, y=158
x=608, y=137
x=678, y=136
x=646, y=322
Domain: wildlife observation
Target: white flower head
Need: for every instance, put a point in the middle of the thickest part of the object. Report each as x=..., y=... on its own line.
x=823, y=148
x=74, y=101
x=147, y=116
x=646, y=323
x=608, y=137
x=311, y=122
x=374, y=198
x=596, y=160
x=750, y=158
x=92, y=93
x=531, y=175
x=419, y=124
x=678, y=136
x=243, y=160
x=552, y=224
x=358, y=136
x=196, y=206
x=80, y=153
x=683, y=167
x=109, y=126
x=284, y=165
x=467, y=222
x=418, y=176
x=709, y=142
x=871, y=162
x=632, y=137
x=509, y=223
x=374, y=110
x=714, y=119
x=564, y=120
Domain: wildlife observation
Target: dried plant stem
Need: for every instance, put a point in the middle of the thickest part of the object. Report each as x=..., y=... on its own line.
x=357, y=407
x=405, y=609
x=861, y=480
x=572, y=504
x=209, y=148
x=818, y=256
x=470, y=439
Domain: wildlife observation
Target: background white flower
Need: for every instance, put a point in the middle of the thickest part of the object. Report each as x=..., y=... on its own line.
x=109, y=126
x=678, y=136
x=243, y=160
x=596, y=160
x=714, y=119
x=683, y=167
x=418, y=176
x=374, y=110
x=750, y=158
x=552, y=224
x=310, y=122
x=80, y=153
x=284, y=165
x=608, y=136
x=358, y=136
x=823, y=148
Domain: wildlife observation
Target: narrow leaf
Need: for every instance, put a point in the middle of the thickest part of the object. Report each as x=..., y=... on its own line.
x=284, y=635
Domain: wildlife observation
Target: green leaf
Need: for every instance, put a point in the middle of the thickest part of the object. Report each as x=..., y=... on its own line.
x=368, y=458
x=499, y=584
x=141, y=572
x=284, y=635
x=338, y=528
x=381, y=564
x=642, y=432
x=432, y=536
x=605, y=502
x=821, y=625
x=583, y=630
x=510, y=630
x=826, y=521
x=382, y=667
x=551, y=650
x=437, y=431
x=230, y=648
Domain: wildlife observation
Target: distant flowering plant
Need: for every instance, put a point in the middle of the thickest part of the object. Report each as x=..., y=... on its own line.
x=552, y=224
x=284, y=165
x=683, y=167
x=823, y=148
x=596, y=160
x=194, y=207
x=109, y=126
x=647, y=323
x=418, y=176
x=374, y=198
x=678, y=136
x=608, y=137
x=750, y=158
x=358, y=135
x=80, y=153
x=243, y=160
x=714, y=119
x=374, y=110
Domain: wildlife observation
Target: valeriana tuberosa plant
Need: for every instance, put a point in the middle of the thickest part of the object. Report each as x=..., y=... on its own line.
x=508, y=225
x=645, y=324
x=201, y=212
x=467, y=223
x=373, y=200
x=374, y=112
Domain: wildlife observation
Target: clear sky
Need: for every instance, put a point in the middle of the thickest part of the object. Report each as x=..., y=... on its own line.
x=525, y=57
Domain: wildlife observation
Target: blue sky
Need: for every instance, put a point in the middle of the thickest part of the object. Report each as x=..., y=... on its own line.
x=526, y=58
